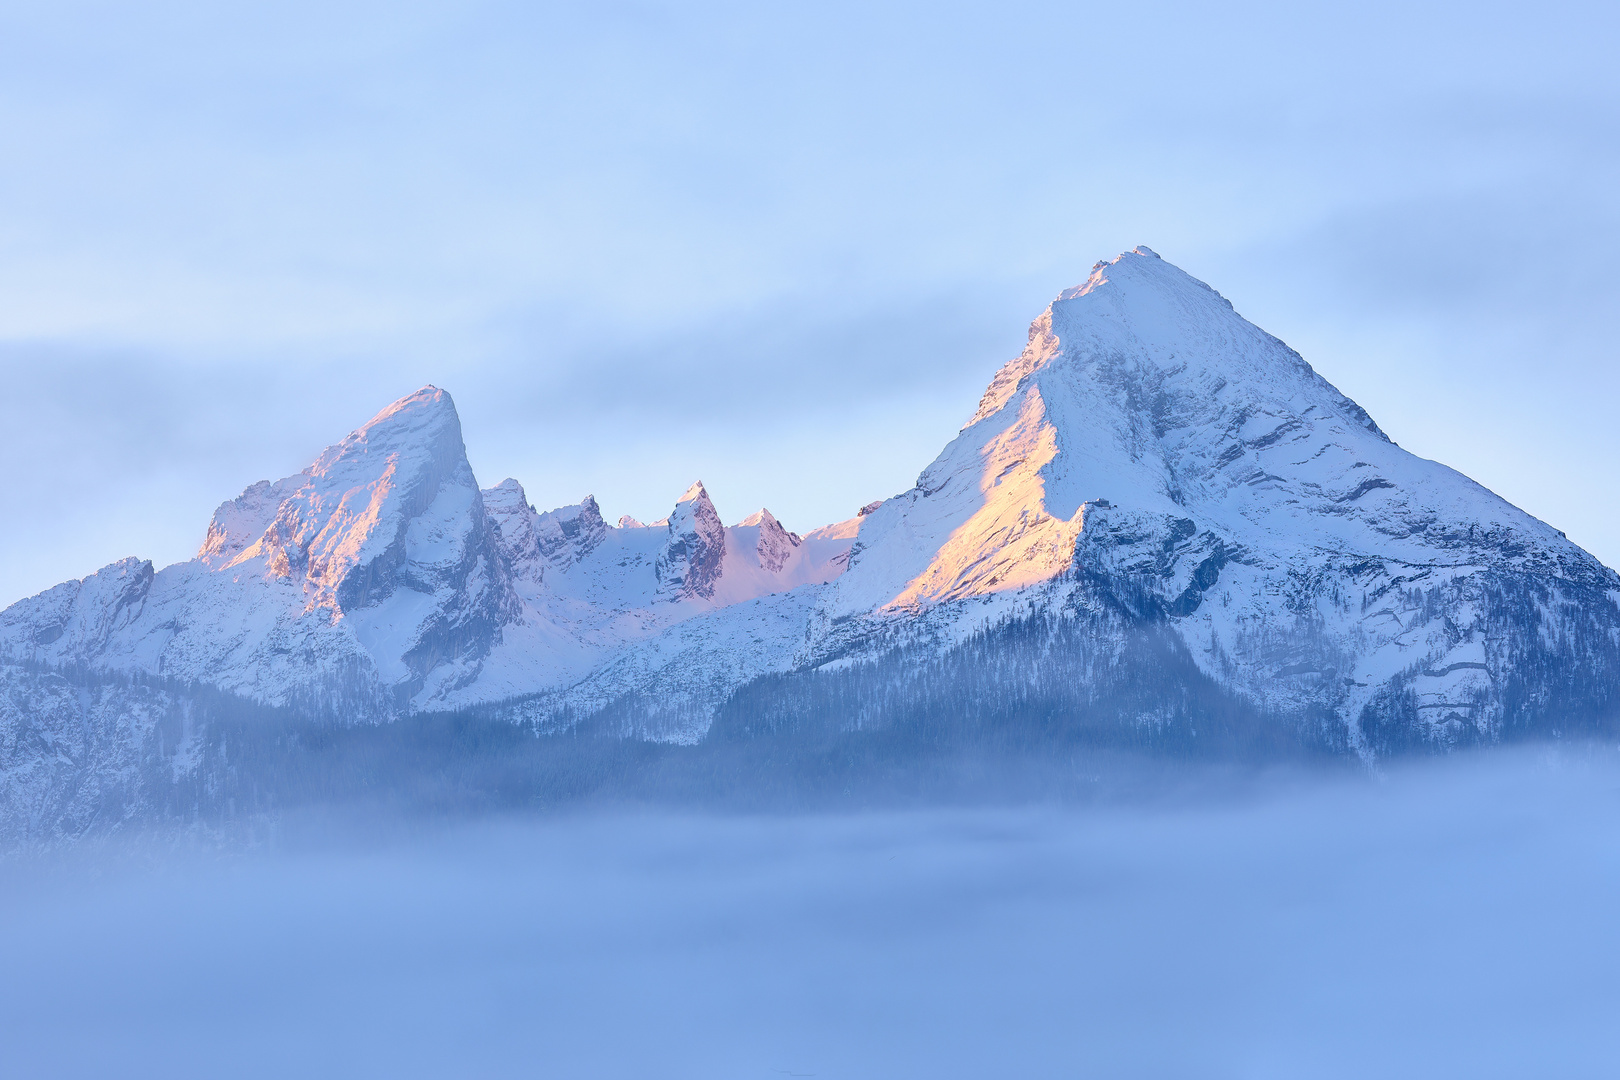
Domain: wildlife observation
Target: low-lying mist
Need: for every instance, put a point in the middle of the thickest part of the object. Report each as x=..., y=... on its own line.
x=1454, y=918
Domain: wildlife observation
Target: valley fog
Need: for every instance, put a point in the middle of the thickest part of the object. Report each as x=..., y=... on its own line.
x=1444, y=919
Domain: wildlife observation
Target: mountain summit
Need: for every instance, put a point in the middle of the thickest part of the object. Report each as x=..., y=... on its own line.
x=1150, y=449
x=1160, y=529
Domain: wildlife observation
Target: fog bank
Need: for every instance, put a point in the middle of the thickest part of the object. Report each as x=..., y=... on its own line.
x=1451, y=919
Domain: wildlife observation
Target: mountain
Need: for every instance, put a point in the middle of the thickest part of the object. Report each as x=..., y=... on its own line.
x=1160, y=530
x=1153, y=457
x=371, y=579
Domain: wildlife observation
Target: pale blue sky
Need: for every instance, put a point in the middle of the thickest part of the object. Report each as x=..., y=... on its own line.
x=778, y=250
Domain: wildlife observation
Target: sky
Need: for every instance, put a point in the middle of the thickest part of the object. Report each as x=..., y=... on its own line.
x=778, y=249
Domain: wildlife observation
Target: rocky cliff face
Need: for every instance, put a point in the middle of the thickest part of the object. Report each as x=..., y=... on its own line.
x=693, y=556
x=1160, y=526
x=774, y=545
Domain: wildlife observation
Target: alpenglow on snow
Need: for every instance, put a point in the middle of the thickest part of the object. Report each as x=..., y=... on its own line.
x=1160, y=526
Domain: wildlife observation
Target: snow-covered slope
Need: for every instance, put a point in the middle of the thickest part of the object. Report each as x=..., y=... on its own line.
x=1150, y=434
x=1154, y=494
x=363, y=582
x=1143, y=392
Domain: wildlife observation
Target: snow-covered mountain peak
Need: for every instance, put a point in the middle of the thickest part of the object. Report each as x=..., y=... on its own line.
x=377, y=562
x=1140, y=264
x=387, y=470
x=1137, y=304
x=394, y=502
x=693, y=557
x=240, y=522
x=78, y=618
x=1144, y=388
x=509, y=486
x=516, y=525
x=569, y=533
x=692, y=510
x=425, y=418
x=695, y=493
x=774, y=545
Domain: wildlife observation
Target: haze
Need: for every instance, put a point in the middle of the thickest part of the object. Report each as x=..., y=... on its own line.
x=1449, y=920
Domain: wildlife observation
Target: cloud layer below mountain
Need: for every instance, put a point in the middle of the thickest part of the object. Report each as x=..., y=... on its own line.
x=1444, y=920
